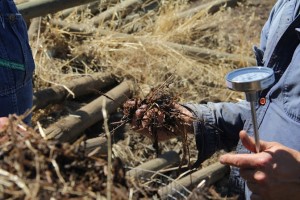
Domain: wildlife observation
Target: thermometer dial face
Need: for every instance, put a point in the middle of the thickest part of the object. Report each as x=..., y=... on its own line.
x=251, y=76
x=250, y=79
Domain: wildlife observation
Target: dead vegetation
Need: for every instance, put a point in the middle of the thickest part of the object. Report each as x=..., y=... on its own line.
x=34, y=168
x=144, y=43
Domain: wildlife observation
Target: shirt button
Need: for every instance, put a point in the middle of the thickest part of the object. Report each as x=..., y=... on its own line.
x=262, y=101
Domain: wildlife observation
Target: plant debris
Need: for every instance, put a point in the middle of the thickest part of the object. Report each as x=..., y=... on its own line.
x=157, y=114
x=34, y=168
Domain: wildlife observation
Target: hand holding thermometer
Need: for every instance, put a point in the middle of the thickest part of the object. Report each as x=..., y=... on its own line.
x=251, y=80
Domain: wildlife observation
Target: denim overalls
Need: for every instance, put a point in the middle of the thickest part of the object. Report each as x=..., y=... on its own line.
x=16, y=62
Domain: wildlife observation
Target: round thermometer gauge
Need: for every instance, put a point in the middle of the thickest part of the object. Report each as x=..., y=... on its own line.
x=250, y=79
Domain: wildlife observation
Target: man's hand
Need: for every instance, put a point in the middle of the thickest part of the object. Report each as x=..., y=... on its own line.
x=274, y=173
x=3, y=123
x=150, y=118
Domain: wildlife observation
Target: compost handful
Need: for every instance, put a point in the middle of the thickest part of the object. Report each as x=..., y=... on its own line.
x=158, y=116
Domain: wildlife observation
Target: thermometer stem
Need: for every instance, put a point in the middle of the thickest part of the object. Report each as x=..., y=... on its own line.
x=255, y=126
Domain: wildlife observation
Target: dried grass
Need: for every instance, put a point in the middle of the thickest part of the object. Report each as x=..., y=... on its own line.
x=142, y=53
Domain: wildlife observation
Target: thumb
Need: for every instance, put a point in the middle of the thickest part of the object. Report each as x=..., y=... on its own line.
x=249, y=142
x=4, y=122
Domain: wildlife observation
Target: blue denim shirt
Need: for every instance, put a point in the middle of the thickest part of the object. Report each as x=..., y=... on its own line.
x=16, y=62
x=279, y=118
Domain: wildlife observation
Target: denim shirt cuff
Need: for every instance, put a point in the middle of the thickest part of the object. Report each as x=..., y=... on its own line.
x=207, y=137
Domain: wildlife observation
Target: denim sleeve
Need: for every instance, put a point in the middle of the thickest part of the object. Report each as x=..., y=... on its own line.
x=217, y=126
x=266, y=27
x=259, y=51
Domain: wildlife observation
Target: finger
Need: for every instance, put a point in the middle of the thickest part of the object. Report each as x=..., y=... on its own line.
x=3, y=123
x=240, y=160
x=249, y=142
x=253, y=176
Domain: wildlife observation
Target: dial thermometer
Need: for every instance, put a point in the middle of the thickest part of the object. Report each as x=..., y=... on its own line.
x=251, y=80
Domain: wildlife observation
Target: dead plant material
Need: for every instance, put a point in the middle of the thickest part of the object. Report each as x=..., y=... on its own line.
x=157, y=114
x=33, y=168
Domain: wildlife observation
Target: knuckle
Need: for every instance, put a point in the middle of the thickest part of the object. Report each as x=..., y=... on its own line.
x=261, y=179
x=264, y=180
x=264, y=161
x=238, y=162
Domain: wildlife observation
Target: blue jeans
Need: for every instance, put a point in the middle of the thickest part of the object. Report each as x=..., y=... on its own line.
x=16, y=62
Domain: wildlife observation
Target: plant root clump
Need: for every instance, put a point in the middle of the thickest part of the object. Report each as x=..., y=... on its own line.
x=155, y=114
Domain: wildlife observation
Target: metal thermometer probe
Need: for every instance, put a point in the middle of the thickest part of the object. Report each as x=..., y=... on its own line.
x=251, y=80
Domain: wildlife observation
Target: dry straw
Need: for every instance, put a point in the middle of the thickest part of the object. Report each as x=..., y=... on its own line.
x=139, y=45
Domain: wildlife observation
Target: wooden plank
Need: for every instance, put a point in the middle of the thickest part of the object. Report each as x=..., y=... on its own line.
x=79, y=87
x=37, y=8
x=122, y=6
x=211, y=174
x=94, y=7
x=209, y=8
x=70, y=128
x=206, y=53
x=96, y=146
x=146, y=169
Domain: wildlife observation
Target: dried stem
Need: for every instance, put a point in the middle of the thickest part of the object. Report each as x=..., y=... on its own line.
x=109, y=151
